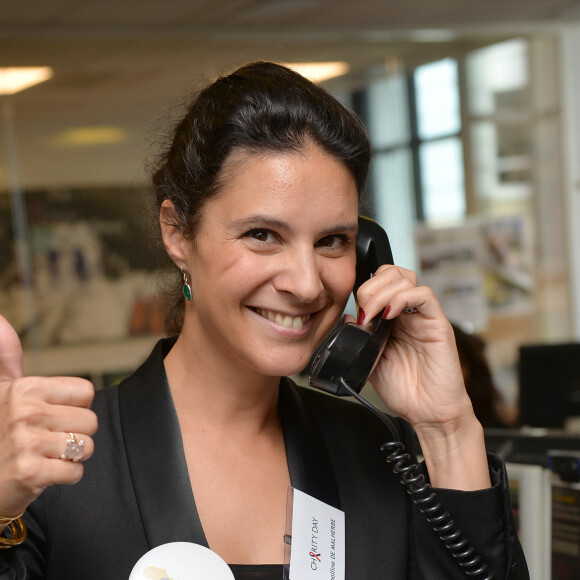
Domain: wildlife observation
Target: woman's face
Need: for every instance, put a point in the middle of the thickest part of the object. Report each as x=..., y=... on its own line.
x=273, y=263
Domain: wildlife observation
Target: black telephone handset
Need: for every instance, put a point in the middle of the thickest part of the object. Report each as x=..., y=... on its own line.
x=342, y=365
x=351, y=351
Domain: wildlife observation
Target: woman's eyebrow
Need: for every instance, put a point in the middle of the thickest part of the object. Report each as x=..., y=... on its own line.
x=340, y=229
x=263, y=221
x=270, y=222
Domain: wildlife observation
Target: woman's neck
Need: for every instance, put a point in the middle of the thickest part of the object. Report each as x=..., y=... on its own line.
x=216, y=394
x=235, y=452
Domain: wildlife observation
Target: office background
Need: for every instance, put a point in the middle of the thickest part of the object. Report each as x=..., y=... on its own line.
x=473, y=107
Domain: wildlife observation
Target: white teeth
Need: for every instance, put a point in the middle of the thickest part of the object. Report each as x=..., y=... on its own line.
x=295, y=322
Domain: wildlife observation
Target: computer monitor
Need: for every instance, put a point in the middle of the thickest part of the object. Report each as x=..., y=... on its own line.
x=529, y=446
x=549, y=380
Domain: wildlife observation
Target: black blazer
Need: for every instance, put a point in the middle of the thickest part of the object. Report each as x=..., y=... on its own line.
x=136, y=493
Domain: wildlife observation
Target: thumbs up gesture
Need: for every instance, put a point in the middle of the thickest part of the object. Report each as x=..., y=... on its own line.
x=45, y=428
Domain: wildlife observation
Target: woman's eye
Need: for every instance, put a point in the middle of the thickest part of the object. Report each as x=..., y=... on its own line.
x=332, y=242
x=263, y=236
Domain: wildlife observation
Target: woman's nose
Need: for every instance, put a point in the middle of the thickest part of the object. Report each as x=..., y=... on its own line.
x=300, y=276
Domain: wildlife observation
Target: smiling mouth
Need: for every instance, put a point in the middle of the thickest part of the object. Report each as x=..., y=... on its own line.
x=294, y=322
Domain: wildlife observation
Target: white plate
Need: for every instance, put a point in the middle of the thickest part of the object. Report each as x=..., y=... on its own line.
x=181, y=561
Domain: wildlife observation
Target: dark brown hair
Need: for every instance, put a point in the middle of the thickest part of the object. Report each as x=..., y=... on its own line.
x=479, y=380
x=260, y=107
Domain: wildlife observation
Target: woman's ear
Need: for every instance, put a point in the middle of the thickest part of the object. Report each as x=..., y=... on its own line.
x=173, y=239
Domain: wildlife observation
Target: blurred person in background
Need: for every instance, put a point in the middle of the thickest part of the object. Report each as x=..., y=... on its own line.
x=486, y=399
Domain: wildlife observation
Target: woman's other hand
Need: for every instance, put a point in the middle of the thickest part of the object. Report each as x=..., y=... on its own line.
x=37, y=417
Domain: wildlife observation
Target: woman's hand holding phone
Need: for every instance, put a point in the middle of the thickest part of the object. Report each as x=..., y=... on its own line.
x=419, y=378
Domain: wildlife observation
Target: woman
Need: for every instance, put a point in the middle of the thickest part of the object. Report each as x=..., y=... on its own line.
x=258, y=199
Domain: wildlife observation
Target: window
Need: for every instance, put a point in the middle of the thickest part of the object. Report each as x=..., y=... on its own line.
x=440, y=151
x=387, y=111
x=417, y=174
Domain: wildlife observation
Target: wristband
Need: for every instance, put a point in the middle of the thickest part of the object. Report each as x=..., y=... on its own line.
x=17, y=529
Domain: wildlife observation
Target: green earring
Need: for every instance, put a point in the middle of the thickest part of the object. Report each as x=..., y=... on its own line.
x=186, y=286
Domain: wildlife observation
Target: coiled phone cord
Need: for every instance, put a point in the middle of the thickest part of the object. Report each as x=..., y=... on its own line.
x=425, y=497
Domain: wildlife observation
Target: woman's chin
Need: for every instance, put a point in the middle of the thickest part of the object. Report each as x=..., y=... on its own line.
x=286, y=368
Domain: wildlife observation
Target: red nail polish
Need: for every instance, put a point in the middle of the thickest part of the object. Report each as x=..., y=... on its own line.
x=361, y=317
x=386, y=311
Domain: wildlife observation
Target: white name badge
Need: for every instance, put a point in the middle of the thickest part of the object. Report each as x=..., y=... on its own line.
x=181, y=561
x=315, y=539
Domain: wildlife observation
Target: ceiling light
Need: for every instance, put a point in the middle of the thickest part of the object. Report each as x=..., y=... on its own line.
x=87, y=136
x=318, y=72
x=433, y=35
x=16, y=79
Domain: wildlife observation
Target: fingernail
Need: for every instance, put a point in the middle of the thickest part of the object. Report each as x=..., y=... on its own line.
x=361, y=317
x=386, y=311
